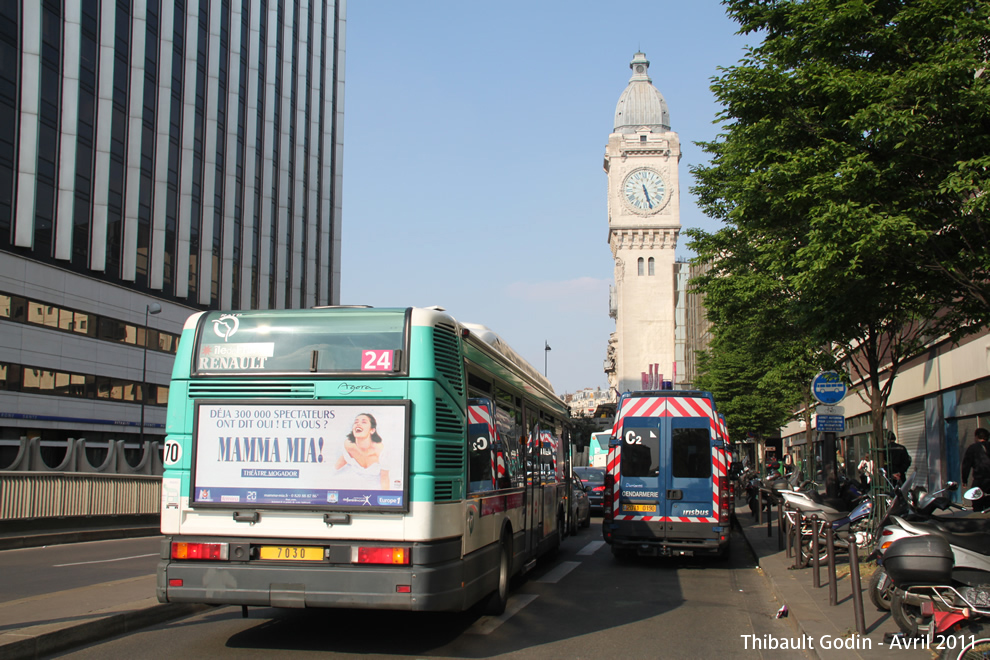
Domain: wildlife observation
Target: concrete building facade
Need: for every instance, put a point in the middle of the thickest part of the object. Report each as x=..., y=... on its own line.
x=157, y=157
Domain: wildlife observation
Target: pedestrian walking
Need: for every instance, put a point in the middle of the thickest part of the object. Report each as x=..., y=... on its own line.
x=977, y=460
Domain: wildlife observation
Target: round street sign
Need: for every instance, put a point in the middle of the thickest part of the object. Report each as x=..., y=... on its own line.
x=828, y=388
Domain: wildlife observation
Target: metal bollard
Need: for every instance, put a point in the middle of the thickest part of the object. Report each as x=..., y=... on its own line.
x=759, y=507
x=857, y=591
x=786, y=533
x=797, y=539
x=780, y=523
x=770, y=518
x=815, y=561
x=833, y=596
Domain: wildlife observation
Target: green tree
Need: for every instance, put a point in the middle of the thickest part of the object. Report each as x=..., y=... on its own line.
x=849, y=171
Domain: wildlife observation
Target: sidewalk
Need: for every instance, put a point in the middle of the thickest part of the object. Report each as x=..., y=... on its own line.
x=809, y=611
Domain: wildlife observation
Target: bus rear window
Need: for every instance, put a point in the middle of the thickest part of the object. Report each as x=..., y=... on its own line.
x=300, y=341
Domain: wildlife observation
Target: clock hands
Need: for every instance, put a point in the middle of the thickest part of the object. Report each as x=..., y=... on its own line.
x=650, y=203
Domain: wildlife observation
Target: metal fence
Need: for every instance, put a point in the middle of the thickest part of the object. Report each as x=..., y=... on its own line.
x=34, y=495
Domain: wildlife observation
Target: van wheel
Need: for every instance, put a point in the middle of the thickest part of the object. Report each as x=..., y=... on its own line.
x=495, y=606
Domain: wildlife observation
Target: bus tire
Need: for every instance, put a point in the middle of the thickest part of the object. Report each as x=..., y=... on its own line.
x=497, y=600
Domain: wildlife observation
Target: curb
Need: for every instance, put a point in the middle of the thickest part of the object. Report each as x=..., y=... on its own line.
x=45, y=644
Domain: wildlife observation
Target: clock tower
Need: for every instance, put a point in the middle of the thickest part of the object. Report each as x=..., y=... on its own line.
x=643, y=223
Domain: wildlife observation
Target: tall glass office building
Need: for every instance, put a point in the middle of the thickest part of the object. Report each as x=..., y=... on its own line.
x=157, y=157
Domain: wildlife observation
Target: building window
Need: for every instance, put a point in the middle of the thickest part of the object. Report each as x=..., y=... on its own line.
x=650, y=269
x=639, y=266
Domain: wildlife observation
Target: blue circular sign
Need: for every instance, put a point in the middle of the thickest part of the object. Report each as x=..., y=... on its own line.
x=828, y=388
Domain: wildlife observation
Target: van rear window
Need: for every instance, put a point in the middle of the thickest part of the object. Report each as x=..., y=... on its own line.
x=691, y=455
x=640, y=455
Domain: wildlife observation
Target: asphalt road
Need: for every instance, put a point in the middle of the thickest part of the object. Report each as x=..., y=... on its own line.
x=582, y=603
x=33, y=571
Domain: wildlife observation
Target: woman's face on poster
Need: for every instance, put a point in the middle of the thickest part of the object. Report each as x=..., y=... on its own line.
x=362, y=427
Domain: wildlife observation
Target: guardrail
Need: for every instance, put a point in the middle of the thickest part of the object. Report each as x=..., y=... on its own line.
x=36, y=495
x=112, y=458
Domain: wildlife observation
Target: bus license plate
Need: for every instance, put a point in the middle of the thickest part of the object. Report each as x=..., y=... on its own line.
x=291, y=553
x=645, y=508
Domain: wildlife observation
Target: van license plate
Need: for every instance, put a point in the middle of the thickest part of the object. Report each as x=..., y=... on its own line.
x=291, y=553
x=645, y=508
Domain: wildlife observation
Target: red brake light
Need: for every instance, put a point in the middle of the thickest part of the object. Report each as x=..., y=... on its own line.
x=208, y=551
x=376, y=555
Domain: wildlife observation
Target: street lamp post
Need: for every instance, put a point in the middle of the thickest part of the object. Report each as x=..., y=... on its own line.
x=546, y=350
x=153, y=308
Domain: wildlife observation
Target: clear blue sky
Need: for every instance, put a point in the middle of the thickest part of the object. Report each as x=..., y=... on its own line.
x=474, y=136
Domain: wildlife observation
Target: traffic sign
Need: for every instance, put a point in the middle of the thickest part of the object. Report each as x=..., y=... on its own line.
x=830, y=423
x=828, y=388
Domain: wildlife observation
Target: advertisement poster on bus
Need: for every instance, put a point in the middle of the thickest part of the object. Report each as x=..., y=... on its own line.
x=326, y=454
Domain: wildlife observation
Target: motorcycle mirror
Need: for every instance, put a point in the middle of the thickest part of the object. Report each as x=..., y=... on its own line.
x=952, y=486
x=973, y=494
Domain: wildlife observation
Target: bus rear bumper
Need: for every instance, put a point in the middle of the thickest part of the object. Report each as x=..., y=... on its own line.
x=433, y=588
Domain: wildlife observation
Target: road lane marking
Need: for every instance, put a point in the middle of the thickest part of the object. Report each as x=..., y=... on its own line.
x=487, y=624
x=559, y=571
x=591, y=548
x=104, y=561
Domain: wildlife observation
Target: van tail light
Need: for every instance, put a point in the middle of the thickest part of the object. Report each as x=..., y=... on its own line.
x=200, y=551
x=607, y=496
x=724, y=501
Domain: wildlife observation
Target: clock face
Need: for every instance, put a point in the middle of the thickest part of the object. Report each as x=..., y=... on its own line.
x=645, y=190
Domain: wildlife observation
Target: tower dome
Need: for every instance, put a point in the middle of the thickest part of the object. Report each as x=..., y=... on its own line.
x=641, y=104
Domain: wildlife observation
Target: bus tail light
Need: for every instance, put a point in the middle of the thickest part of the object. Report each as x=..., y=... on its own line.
x=207, y=551
x=381, y=555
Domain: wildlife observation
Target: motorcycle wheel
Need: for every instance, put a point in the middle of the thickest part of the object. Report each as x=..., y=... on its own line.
x=880, y=589
x=807, y=550
x=971, y=642
x=907, y=617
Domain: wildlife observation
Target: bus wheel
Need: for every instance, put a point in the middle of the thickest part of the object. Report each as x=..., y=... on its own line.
x=498, y=598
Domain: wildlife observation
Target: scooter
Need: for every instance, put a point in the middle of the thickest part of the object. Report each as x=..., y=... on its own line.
x=941, y=579
x=917, y=505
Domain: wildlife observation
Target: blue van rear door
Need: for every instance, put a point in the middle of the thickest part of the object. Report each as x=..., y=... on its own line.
x=643, y=470
x=690, y=493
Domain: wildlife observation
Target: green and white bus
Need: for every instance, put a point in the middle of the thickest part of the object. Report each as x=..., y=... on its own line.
x=356, y=457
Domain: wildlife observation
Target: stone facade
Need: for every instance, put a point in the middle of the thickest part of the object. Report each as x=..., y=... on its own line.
x=644, y=222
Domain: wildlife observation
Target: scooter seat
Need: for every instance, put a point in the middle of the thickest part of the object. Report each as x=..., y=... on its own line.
x=963, y=522
x=978, y=542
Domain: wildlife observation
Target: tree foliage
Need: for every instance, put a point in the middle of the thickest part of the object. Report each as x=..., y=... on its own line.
x=849, y=178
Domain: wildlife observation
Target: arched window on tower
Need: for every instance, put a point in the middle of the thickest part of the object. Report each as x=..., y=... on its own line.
x=639, y=266
x=651, y=267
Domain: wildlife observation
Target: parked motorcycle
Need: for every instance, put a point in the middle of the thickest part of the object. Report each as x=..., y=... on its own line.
x=917, y=505
x=848, y=515
x=942, y=581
